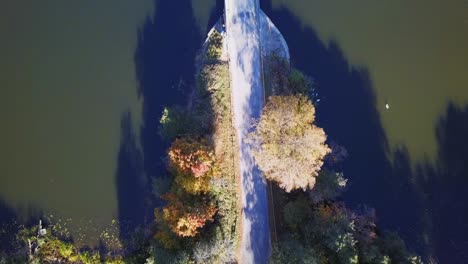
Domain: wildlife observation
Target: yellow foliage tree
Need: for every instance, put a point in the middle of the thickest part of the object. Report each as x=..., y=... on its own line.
x=289, y=148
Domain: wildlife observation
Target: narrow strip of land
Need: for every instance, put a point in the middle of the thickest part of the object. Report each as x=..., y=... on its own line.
x=243, y=40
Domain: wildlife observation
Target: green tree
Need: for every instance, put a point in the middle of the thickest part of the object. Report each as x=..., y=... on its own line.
x=297, y=212
x=329, y=185
x=289, y=250
x=215, y=45
x=299, y=83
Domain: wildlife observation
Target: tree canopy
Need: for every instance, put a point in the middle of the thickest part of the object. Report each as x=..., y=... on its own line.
x=193, y=164
x=183, y=218
x=289, y=148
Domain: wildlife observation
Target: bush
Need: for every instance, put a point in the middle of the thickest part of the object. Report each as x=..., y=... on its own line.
x=215, y=251
x=215, y=45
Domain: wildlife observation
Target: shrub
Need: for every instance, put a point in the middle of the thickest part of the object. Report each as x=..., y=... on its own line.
x=215, y=45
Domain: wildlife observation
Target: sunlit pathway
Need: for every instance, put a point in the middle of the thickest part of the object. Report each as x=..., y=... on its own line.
x=243, y=40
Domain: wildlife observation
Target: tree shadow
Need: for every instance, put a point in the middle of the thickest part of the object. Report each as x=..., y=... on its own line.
x=164, y=66
x=444, y=185
x=132, y=189
x=348, y=113
x=164, y=62
x=8, y=227
x=215, y=14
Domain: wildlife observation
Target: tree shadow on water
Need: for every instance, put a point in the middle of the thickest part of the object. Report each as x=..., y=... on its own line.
x=444, y=185
x=8, y=227
x=347, y=111
x=164, y=62
x=131, y=184
x=164, y=66
x=216, y=13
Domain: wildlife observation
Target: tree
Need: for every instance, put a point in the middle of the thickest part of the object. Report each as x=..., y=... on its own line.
x=290, y=250
x=300, y=83
x=185, y=219
x=215, y=45
x=289, y=149
x=296, y=212
x=193, y=164
x=217, y=250
x=329, y=185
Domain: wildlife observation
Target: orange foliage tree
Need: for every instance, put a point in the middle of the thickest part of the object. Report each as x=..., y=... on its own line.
x=193, y=163
x=185, y=219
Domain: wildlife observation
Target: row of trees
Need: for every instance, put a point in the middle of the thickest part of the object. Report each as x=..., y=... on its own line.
x=314, y=227
x=198, y=223
x=319, y=229
x=188, y=208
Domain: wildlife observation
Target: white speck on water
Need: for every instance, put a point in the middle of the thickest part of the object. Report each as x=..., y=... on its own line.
x=387, y=106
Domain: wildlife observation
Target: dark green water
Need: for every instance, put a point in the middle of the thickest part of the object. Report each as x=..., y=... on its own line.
x=67, y=74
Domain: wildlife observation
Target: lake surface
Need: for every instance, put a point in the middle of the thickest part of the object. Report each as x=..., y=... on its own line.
x=72, y=108
x=67, y=77
x=70, y=98
x=416, y=54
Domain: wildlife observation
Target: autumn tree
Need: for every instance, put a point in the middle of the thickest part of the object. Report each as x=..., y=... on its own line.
x=185, y=219
x=289, y=148
x=193, y=164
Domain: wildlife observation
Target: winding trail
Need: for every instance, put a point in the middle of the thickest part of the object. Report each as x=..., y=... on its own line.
x=243, y=41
